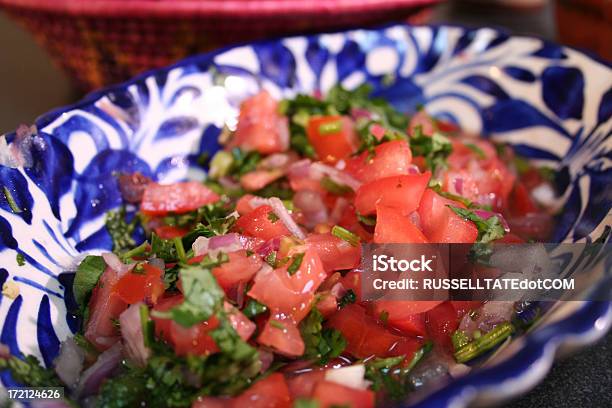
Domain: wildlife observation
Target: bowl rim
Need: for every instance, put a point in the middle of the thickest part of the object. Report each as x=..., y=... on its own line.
x=213, y=8
x=587, y=323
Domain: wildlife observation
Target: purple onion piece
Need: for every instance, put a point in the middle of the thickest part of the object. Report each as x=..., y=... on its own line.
x=94, y=376
x=69, y=363
x=484, y=214
x=133, y=338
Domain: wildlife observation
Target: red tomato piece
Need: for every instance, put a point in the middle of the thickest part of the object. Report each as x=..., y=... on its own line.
x=302, y=385
x=393, y=227
x=242, y=324
x=327, y=303
x=262, y=223
x=162, y=326
x=194, y=340
x=389, y=159
x=401, y=192
x=134, y=287
x=168, y=232
x=270, y=392
x=405, y=315
x=243, y=205
x=240, y=268
x=260, y=126
x=282, y=334
x=330, y=394
x=332, y=137
x=290, y=294
x=352, y=281
x=104, y=307
x=365, y=337
x=442, y=322
x=258, y=179
x=160, y=199
x=335, y=253
x=520, y=201
x=441, y=224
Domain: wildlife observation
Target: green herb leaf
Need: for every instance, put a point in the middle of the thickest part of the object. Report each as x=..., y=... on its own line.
x=87, y=275
x=477, y=150
x=120, y=230
x=305, y=403
x=30, y=372
x=254, y=308
x=367, y=219
x=272, y=217
x=163, y=248
x=296, y=262
x=346, y=235
x=321, y=344
x=348, y=298
x=488, y=230
x=11, y=201
x=459, y=339
x=20, y=259
x=335, y=188
x=435, y=148
x=484, y=343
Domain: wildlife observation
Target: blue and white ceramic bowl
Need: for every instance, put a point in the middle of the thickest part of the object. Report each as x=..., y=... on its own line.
x=552, y=103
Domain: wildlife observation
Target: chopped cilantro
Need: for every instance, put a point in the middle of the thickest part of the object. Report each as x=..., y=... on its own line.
x=271, y=259
x=163, y=248
x=305, y=403
x=384, y=316
x=243, y=162
x=345, y=235
x=459, y=339
x=484, y=342
x=30, y=372
x=329, y=128
x=87, y=275
x=296, y=262
x=120, y=230
x=335, y=188
x=348, y=298
x=277, y=325
x=476, y=150
x=367, y=219
x=272, y=217
x=254, y=308
x=435, y=148
x=20, y=259
x=11, y=201
x=322, y=344
x=488, y=230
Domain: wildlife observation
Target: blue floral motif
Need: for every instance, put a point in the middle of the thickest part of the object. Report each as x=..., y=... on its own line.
x=164, y=123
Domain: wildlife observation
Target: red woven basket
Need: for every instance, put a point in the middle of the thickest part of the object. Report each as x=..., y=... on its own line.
x=99, y=42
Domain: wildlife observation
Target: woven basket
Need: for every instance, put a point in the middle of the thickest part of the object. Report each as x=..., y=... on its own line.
x=99, y=42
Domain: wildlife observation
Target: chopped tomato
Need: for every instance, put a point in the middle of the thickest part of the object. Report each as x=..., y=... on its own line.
x=332, y=137
x=262, y=223
x=168, y=232
x=389, y=159
x=335, y=253
x=105, y=306
x=291, y=294
x=441, y=324
x=239, y=268
x=258, y=179
x=441, y=224
x=350, y=221
x=260, y=126
x=134, y=287
x=405, y=315
x=160, y=199
x=269, y=392
x=352, y=281
x=393, y=227
x=162, y=326
x=400, y=192
x=521, y=202
x=365, y=337
x=330, y=394
x=302, y=385
x=327, y=303
x=281, y=334
x=242, y=324
x=194, y=340
x=243, y=205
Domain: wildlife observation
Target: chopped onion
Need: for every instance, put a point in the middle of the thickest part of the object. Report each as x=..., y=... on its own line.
x=544, y=194
x=157, y=263
x=266, y=357
x=312, y=206
x=415, y=218
x=105, y=365
x=458, y=370
x=275, y=161
x=258, y=202
x=413, y=169
x=299, y=169
x=338, y=210
x=488, y=316
x=268, y=246
x=229, y=183
x=113, y=262
x=360, y=113
x=338, y=290
x=282, y=126
x=224, y=243
x=318, y=170
x=200, y=246
x=133, y=338
x=69, y=363
x=350, y=376
x=282, y=213
x=458, y=183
